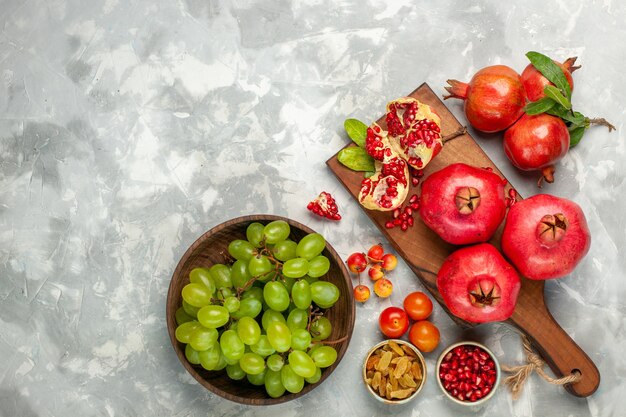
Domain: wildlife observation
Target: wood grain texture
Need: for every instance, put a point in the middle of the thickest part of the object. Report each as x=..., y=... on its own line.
x=212, y=248
x=424, y=252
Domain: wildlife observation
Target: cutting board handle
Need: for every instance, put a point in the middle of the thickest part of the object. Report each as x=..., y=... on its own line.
x=559, y=350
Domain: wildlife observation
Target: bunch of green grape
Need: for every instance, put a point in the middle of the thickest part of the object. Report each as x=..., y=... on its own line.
x=261, y=318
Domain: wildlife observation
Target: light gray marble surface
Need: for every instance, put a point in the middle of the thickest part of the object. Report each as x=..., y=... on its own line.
x=129, y=127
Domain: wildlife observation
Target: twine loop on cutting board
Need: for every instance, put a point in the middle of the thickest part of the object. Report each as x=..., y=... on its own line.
x=520, y=373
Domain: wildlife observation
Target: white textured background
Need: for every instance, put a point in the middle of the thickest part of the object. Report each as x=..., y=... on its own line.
x=129, y=127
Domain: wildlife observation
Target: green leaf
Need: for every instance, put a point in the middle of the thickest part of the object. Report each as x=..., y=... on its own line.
x=369, y=174
x=551, y=71
x=575, y=135
x=356, y=130
x=574, y=118
x=540, y=106
x=556, y=95
x=356, y=159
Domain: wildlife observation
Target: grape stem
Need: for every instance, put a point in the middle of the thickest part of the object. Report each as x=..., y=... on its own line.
x=246, y=286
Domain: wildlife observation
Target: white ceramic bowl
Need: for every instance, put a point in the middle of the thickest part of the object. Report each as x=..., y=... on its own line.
x=495, y=385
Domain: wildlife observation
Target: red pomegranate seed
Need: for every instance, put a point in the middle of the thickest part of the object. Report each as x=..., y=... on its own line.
x=389, y=225
x=413, y=198
x=467, y=373
x=415, y=181
x=404, y=226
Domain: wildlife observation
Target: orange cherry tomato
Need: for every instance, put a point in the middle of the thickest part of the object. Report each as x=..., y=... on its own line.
x=424, y=335
x=418, y=306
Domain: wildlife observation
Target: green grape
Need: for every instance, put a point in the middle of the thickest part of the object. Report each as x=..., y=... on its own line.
x=224, y=292
x=184, y=331
x=297, y=319
x=192, y=355
x=273, y=384
x=276, y=231
x=260, y=265
x=248, y=307
x=324, y=294
x=321, y=329
x=276, y=296
x=316, y=377
x=288, y=283
x=232, y=304
x=291, y=381
x=301, y=364
x=252, y=363
x=221, y=276
x=258, y=379
x=202, y=276
x=270, y=316
x=301, y=294
x=241, y=249
x=324, y=356
x=279, y=336
x=182, y=316
x=310, y=279
x=248, y=330
x=263, y=347
x=285, y=250
x=235, y=372
x=310, y=246
x=202, y=338
x=239, y=274
x=191, y=310
x=231, y=345
x=253, y=292
x=196, y=294
x=275, y=362
x=295, y=268
x=222, y=363
x=213, y=316
x=210, y=358
x=254, y=234
x=318, y=266
x=300, y=339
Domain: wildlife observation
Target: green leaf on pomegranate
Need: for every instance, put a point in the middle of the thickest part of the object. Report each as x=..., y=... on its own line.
x=356, y=130
x=551, y=71
x=540, y=106
x=573, y=118
x=556, y=95
x=356, y=159
x=369, y=174
x=575, y=135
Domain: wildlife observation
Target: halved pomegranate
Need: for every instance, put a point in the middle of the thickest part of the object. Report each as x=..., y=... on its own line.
x=478, y=285
x=388, y=188
x=414, y=131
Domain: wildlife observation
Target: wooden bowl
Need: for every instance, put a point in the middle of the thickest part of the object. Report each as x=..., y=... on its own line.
x=211, y=248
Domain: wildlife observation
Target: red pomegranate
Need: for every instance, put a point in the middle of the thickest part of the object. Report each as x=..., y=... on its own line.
x=536, y=143
x=463, y=204
x=494, y=98
x=534, y=82
x=545, y=237
x=478, y=285
x=414, y=131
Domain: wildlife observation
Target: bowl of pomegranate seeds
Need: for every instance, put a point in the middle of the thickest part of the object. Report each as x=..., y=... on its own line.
x=468, y=373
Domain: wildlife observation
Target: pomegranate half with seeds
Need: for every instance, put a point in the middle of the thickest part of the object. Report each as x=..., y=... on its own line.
x=388, y=187
x=478, y=285
x=545, y=237
x=494, y=98
x=414, y=131
x=463, y=204
x=534, y=81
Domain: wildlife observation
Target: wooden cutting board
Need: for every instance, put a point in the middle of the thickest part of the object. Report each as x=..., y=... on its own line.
x=424, y=252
